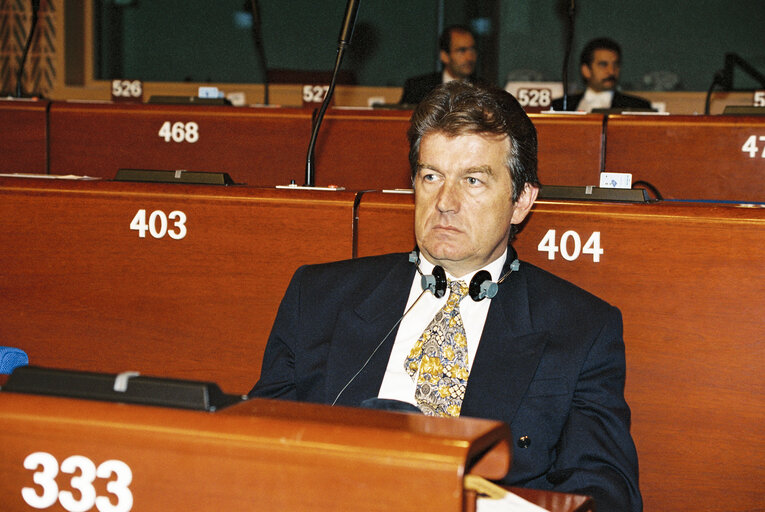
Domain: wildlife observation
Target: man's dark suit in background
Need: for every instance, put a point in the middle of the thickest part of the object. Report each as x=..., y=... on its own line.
x=458, y=56
x=416, y=88
x=624, y=101
x=600, y=65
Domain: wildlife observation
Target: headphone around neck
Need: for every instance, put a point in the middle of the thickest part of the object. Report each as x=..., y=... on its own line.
x=481, y=286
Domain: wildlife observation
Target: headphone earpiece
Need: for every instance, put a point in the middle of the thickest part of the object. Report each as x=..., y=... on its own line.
x=481, y=286
x=436, y=282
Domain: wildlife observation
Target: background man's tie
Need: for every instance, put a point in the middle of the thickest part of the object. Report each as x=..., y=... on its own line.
x=441, y=356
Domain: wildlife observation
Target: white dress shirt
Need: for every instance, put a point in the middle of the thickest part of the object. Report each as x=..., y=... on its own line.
x=592, y=99
x=397, y=384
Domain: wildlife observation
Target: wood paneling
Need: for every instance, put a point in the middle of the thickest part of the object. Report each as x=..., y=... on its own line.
x=690, y=281
x=23, y=136
x=690, y=157
x=81, y=290
x=257, y=455
x=256, y=146
x=570, y=148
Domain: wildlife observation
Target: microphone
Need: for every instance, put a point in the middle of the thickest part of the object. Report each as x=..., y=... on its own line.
x=567, y=57
x=257, y=38
x=376, y=349
x=349, y=22
x=718, y=79
x=22, y=62
x=346, y=32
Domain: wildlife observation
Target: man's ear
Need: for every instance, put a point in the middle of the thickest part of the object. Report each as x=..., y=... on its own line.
x=444, y=57
x=524, y=203
x=586, y=72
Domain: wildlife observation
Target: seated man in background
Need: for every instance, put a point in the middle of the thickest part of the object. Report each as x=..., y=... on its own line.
x=600, y=65
x=525, y=347
x=458, y=56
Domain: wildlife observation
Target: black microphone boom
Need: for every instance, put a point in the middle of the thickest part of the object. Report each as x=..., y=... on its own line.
x=257, y=38
x=22, y=62
x=346, y=32
x=567, y=56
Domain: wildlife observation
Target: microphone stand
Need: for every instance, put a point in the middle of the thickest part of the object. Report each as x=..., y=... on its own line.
x=719, y=79
x=257, y=37
x=346, y=32
x=567, y=57
x=20, y=73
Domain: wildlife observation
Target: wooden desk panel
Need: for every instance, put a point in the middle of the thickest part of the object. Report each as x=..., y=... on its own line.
x=364, y=149
x=690, y=281
x=258, y=455
x=368, y=149
x=690, y=157
x=570, y=148
x=81, y=290
x=23, y=136
x=257, y=146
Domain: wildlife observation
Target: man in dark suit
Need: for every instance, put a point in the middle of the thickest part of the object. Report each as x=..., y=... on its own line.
x=458, y=55
x=531, y=350
x=600, y=65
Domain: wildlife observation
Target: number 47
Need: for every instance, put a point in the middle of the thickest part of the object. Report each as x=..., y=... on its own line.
x=750, y=146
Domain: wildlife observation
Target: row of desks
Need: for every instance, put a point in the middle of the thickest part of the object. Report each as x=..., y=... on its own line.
x=259, y=455
x=195, y=297
x=683, y=157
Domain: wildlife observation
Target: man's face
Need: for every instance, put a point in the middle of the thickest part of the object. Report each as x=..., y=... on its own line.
x=463, y=201
x=603, y=73
x=460, y=61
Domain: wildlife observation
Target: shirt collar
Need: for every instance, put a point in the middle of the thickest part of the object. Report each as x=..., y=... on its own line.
x=494, y=268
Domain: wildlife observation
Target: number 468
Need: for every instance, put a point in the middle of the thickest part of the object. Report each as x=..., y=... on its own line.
x=570, y=245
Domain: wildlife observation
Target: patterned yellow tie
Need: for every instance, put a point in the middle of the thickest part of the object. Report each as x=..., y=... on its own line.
x=441, y=356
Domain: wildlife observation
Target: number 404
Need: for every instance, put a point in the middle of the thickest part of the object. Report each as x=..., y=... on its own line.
x=570, y=245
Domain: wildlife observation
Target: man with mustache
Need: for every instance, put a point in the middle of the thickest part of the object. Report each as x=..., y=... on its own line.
x=533, y=351
x=600, y=67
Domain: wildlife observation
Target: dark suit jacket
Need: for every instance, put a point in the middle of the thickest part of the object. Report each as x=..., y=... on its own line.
x=416, y=88
x=550, y=363
x=619, y=100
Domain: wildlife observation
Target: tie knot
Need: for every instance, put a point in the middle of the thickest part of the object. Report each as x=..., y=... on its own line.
x=458, y=288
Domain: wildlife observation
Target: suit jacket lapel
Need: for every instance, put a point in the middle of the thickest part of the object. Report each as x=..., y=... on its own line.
x=508, y=354
x=361, y=330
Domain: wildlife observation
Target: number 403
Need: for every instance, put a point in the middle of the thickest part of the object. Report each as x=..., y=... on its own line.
x=570, y=245
x=157, y=224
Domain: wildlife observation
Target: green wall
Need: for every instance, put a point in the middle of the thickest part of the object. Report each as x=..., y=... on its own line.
x=176, y=40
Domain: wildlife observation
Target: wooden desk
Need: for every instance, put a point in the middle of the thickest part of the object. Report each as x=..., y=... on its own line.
x=368, y=149
x=364, y=149
x=23, y=136
x=570, y=148
x=687, y=277
x=81, y=290
x=257, y=146
x=691, y=157
x=690, y=281
x=257, y=455
x=358, y=149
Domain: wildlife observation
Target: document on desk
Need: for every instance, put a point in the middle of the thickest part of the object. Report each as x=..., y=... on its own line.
x=49, y=176
x=493, y=498
x=510, y=503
